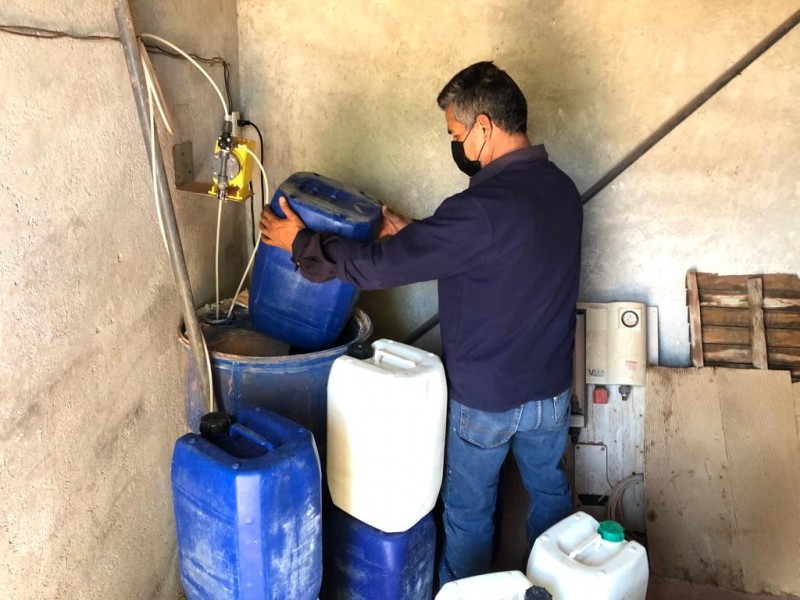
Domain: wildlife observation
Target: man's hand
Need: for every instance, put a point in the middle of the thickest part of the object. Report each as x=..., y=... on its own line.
x=392, y=222
x=280, y=232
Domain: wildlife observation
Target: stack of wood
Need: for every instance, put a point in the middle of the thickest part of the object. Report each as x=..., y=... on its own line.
x=744, y=321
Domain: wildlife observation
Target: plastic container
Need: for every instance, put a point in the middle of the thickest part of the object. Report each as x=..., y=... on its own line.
x=247, y=505
x=508, y=585
x=386, y=428
x=294, y=386
x=364, y=563
x=285, y=305
x=579, y=558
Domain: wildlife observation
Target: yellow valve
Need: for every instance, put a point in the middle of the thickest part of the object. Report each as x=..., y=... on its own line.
x=240, y=170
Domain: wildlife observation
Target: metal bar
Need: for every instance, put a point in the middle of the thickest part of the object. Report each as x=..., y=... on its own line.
x=176, y=257
x=421, y=330
x=694, y=104
x=665, y=129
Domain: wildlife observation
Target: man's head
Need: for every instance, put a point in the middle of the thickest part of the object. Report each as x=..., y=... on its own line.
x=483, y=97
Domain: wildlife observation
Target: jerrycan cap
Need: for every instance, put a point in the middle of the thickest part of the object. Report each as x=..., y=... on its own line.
x=360, y=350
x=216, y=425
x=611, y=531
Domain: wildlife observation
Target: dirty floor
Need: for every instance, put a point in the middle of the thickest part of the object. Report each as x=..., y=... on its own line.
x=512, y=551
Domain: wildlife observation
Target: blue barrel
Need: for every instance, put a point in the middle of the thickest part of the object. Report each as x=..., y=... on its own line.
x=285, y=305
x=247, y=504
x=364, y=563
x=246, y=374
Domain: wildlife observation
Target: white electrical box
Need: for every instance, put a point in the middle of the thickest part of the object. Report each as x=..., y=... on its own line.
x=616, y=343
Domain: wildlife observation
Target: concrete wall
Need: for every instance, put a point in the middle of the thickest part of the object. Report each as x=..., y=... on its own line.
x=348, y=89
x=92, y=399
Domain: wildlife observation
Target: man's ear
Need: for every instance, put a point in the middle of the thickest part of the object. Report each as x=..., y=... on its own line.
x=485, y=123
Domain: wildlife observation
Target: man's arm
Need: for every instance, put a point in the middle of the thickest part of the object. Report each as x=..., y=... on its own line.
x=442, y=245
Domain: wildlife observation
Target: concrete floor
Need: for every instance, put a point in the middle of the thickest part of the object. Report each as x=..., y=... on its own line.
x=512, y=551
x=661, y=588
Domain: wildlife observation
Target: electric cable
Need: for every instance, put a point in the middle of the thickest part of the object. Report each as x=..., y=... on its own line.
x=195, y=63
x=265, y=186
x=153, y=168
x=245, y=123
x=51, y=34
x=252, y=214
x=152, y=93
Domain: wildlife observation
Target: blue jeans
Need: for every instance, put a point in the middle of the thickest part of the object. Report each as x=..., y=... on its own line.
x=477, y=445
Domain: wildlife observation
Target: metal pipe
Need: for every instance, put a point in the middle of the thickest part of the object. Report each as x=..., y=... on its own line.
x=421, y=330
x=665, y=129
x=689, y=109
x=176, y=257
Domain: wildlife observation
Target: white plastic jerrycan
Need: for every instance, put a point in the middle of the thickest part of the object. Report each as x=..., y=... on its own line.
x=579, y=558
x=386, y=427
x=508, y=585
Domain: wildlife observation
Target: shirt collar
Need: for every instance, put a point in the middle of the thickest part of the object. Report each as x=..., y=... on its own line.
x=528, y=154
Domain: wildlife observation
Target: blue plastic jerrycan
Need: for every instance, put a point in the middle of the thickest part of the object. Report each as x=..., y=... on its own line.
x=283, y=304
x=364, y=563
x=247, y=500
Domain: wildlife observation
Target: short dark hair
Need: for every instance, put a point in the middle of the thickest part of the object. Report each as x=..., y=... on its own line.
x=482, y=88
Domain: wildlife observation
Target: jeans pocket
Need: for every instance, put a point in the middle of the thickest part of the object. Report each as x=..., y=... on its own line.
x=556, y=410
x=485, y=429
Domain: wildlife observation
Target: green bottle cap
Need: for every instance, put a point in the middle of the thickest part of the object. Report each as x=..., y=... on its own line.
x=611, y=531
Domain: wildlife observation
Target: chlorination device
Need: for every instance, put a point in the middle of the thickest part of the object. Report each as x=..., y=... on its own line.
x=233, y=165
x=616, y=344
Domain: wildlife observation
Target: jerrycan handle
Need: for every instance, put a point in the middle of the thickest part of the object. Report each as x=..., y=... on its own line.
x=592, y=540
x=393, y=360
x=253, y=436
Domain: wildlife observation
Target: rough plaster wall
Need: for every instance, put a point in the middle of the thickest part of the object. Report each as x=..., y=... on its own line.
x=348, y=89
x=92, y=399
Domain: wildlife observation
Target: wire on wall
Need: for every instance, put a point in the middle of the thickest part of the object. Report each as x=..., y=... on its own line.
x=52, y=34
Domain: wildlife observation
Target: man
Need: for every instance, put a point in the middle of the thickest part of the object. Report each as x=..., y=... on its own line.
x=506, y=252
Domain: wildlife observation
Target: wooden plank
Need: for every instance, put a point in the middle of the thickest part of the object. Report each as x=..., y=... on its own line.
x=776, y=357
x=774, y=284
x=688, y=492
x=758, y=338
x=716, y=510
x=738, y=317
x=740, y=336
x=695, y=323
x=740, y=300
x=763, y=453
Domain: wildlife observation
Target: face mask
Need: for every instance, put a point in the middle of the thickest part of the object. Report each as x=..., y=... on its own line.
x=470, y=167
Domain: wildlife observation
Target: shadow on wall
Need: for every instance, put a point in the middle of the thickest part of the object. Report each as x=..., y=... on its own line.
x=382, y=131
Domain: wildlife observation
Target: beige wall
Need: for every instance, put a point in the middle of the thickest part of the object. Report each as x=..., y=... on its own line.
x=89, y=375
x=92, y=399
x=348, y=89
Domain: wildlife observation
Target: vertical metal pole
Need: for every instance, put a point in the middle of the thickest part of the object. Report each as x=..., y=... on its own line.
x=135, y=69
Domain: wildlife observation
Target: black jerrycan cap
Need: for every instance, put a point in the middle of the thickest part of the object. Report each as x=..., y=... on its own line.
x=537, y=593
x=360, y=350
x=215, y=425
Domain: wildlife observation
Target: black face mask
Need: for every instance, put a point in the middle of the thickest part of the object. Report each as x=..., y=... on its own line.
x=470, y=167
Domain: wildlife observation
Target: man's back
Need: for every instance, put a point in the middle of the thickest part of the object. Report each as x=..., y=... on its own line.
x=508, y=318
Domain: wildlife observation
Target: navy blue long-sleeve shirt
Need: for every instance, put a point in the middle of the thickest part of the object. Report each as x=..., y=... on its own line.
x=506, y=252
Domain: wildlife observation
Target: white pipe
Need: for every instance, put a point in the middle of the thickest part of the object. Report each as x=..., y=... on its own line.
x=194, y=62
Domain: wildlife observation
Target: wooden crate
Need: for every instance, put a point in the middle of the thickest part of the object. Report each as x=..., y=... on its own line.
x=744, y=321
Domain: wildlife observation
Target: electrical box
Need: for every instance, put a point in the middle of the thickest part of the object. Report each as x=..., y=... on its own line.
x=616, y=343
